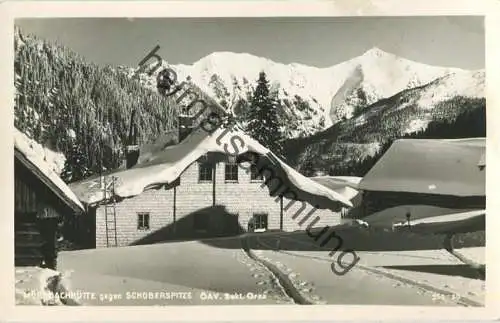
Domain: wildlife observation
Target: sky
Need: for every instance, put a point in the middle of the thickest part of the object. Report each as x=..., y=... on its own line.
x=456, y=41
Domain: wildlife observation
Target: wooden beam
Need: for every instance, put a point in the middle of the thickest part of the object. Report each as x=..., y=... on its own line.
x=214, y=169
x=175, y=208
x=281, y=212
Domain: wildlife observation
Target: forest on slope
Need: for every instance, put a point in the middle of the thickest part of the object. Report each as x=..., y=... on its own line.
x=351, y=148
x=81, y=109
x=470, y=124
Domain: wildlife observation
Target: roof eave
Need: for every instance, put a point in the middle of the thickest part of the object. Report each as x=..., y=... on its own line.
x=42, y=177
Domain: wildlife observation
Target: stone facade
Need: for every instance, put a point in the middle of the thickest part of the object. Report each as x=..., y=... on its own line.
x=197, y=209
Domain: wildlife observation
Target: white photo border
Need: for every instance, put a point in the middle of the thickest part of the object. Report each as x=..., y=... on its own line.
x=11, y=10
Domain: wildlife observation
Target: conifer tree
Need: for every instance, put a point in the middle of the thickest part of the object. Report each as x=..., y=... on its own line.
x=263, y=123
x=75, y=166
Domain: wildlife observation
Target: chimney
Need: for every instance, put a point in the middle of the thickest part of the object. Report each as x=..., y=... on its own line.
x=132, y=148
x=131, y=155
x=186, y=125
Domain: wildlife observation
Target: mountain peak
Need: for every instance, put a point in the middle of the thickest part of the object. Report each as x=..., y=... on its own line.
x=376, y=52
x=226, y=57
x=222, y=60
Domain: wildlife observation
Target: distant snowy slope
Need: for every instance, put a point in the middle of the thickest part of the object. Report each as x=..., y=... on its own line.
x=416, y=107
x=451, y=102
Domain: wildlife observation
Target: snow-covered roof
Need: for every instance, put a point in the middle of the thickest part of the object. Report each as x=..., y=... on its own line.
x=24, y=146
x=338, y=181
x=455, y=222
x=430, y=166
x=165, y=166
x=347, y=186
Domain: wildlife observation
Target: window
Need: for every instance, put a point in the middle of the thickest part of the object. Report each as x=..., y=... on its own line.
x=260, y=222
x=205, y=172
x=231, y=172
x=255, y=175
x=143, y=221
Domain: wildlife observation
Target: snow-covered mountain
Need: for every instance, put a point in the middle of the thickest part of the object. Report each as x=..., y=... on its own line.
x=452, y=106
x=409, y=111
x=314, y=98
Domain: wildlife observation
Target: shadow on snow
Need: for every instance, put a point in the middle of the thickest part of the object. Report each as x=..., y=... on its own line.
x=210, y=224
